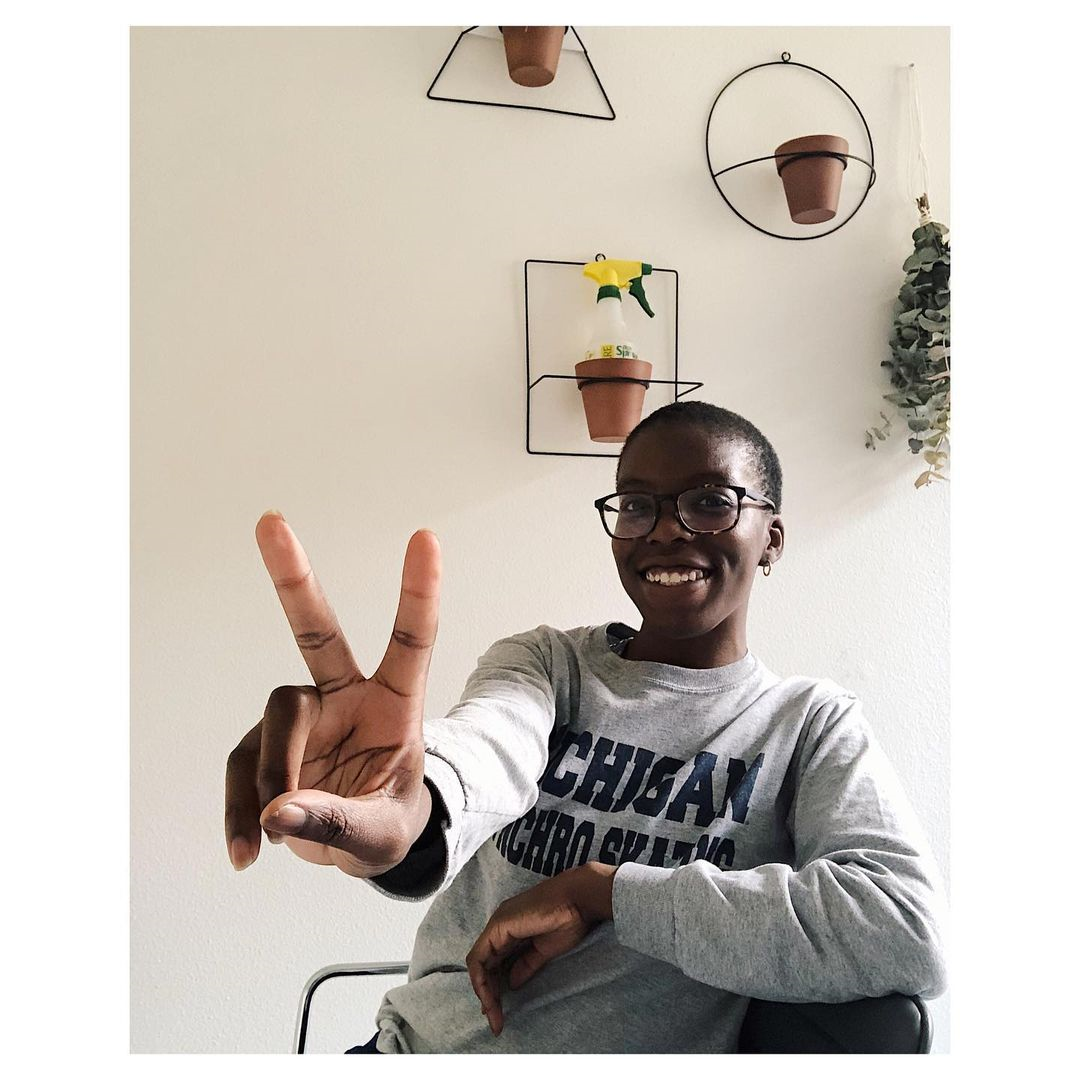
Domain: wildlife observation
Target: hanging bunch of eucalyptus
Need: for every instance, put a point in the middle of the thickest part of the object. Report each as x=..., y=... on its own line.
x=921, y=338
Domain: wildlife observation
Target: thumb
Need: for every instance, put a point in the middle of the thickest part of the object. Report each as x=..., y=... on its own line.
x=369, y=827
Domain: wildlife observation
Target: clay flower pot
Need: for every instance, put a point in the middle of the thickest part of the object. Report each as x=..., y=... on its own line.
x=612, y=409
x=812, y=184
x=532, y=53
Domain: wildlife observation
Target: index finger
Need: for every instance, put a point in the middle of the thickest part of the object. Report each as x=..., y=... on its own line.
x=314, y=624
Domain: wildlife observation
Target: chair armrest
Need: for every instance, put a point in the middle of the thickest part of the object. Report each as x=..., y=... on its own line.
x=335, y=971
x=896, y=1024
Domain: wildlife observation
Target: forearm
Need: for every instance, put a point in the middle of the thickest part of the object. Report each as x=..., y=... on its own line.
x=832, y=931
x=482, y=764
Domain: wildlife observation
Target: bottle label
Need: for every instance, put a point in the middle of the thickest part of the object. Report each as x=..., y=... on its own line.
x=611, y=352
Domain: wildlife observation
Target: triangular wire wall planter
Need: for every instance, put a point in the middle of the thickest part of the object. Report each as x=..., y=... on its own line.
x=530, y=108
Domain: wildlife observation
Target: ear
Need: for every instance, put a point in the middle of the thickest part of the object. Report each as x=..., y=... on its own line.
x=775, y=547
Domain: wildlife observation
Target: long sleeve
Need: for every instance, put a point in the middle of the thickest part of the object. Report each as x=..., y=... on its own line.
x=855, y=916
x=483, y=761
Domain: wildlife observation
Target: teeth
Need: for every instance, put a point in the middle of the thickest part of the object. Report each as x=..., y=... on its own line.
x=674, y=577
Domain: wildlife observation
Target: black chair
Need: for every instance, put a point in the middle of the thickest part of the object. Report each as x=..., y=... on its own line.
x=897, y=1024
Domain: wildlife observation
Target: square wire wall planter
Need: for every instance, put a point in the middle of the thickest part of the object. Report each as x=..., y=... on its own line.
x=532, y=383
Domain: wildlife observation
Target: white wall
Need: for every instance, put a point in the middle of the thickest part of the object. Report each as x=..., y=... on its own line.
x=327, y=319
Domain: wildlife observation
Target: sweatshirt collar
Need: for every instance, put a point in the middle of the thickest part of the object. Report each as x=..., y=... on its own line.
x=605, y=638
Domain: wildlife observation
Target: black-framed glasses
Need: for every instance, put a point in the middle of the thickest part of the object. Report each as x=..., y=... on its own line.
x=709, y=508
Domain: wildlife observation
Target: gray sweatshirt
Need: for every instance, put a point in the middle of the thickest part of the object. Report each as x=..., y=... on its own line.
x=765, y=849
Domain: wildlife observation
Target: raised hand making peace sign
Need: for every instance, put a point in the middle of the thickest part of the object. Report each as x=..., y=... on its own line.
x=337, y=768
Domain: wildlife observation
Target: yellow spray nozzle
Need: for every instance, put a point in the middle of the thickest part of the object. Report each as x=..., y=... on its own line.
x=620, y=273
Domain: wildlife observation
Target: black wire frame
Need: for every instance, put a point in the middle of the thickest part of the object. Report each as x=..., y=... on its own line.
x=529, y=108
x=531, y=383
x=786, y=61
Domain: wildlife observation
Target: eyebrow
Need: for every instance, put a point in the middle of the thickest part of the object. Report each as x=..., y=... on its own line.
x=700, y=478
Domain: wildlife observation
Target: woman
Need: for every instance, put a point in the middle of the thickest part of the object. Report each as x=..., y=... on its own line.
x=630, y=832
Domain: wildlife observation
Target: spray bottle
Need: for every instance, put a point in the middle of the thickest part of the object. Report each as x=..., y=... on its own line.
x=613, y=378
x=609, y=337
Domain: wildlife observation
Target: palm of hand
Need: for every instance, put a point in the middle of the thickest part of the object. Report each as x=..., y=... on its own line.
x=348, y=755
x=351, y=753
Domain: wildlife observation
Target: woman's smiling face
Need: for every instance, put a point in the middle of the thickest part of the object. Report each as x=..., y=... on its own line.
x=669, y=459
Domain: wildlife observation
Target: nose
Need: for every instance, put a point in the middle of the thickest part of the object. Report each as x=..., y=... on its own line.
x=668, y=527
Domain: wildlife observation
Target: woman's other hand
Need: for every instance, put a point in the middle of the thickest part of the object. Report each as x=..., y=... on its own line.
x=528, y=930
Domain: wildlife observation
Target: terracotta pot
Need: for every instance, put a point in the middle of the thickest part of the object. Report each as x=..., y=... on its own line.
x=532, y=53
x=612, y=409
x=811, y=184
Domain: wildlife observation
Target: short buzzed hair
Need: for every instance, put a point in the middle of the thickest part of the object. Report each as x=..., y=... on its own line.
x=723, y=424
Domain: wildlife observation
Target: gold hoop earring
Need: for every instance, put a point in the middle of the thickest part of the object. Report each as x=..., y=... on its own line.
x=766, y=568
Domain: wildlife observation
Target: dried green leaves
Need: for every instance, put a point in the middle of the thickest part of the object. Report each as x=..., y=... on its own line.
x=920, y=346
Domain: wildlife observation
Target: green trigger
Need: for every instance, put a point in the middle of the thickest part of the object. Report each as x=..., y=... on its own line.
x=637, y=291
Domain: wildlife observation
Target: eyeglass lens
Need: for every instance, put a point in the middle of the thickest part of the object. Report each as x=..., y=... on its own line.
x=629, y=515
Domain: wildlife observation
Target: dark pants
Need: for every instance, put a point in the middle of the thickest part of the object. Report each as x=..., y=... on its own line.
x=367, y=1048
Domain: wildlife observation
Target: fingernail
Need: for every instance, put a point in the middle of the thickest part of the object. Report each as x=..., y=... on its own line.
x=240, y=854
x=273, y=837
x=288, y=818
x=274, y=513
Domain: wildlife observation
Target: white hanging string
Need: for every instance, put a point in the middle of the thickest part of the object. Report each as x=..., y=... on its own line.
x=919, y=170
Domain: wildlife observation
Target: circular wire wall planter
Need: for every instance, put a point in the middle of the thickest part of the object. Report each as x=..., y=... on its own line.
x=786, y=61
